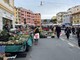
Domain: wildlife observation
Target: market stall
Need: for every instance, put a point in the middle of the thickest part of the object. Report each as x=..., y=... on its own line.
x=16, y=43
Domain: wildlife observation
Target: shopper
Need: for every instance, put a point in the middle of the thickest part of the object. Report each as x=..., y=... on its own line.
x=58, y=31
x=78, y=35
x=73, y=30
x=36, y=35
x=67, y=32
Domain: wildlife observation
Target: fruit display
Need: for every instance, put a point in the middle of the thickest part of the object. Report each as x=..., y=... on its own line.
x=16, y=42
x=15, y=39
x=4, y=36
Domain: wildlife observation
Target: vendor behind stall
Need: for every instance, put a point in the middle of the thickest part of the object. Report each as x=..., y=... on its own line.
x=6, y=27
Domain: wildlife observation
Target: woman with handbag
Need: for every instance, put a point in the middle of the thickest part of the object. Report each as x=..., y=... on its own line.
x=36, y=35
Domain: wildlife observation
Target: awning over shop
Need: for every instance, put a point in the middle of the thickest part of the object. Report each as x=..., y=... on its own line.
x=49, y=24
x=76, y=24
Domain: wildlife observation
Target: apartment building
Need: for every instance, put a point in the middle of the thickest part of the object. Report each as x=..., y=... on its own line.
x=59, y=17
x=6, y=13
x=24, y=16
x=75, y=12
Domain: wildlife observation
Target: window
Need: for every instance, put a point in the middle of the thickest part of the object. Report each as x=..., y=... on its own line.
x=19, y=19
x=77, y=21
x=74, y=21
x=7, y=1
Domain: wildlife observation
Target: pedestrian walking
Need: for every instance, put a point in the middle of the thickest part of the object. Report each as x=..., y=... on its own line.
x=58, y=31
x=53, y=32
x=78, y=35
x=73, y=30
x=67, y=32
x=36, y=35
x=77, y=32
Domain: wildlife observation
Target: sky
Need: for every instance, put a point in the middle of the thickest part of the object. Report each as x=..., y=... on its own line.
x=49, y=8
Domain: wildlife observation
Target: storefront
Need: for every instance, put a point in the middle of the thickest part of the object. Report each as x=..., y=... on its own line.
x=6, y=17
x=7, y=21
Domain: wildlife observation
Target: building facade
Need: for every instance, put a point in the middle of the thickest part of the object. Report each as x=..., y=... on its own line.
x=24, y=16
x=59, y=17
x=16, y=15
x=67, y=20
x=75, y=12
x=6, y=13
x=76, y=18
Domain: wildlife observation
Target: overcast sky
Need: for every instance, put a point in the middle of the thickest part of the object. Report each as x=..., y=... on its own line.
x=49, y=8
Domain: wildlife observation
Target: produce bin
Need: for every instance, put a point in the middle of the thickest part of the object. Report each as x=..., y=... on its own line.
x=18, y=47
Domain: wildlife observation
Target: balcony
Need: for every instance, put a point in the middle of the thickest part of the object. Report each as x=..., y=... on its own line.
x=6, y=6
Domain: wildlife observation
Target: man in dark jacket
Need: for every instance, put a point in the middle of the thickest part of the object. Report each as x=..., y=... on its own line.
x=73, y=30
x=67, y=32
x=78, y=35
x=58, y=31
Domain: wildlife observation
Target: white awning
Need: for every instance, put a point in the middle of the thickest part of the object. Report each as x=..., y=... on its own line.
x=30, y=24
x=75, y=24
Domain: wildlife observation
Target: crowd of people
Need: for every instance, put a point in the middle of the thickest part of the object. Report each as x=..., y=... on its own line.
x=68, y=31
